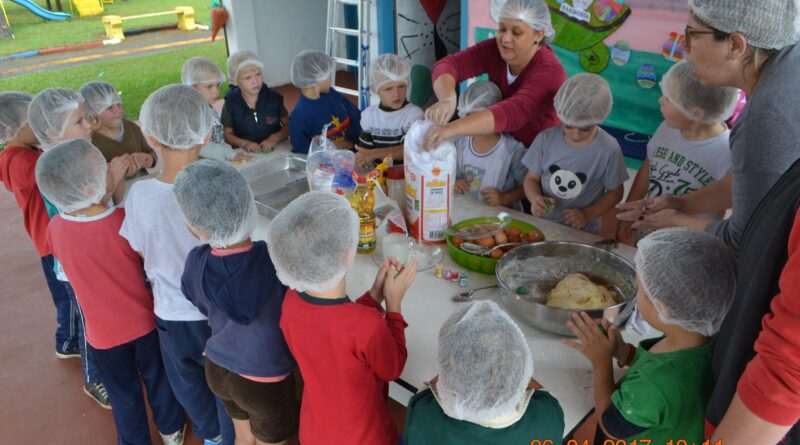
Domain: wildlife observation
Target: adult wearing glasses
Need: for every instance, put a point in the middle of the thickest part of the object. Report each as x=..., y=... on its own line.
x=756, y=363
x=519, y=61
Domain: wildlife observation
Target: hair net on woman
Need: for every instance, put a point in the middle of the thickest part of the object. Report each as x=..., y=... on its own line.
x=216, y=202
x=239, y=60
x=583, y=100
x=484, y=363
x=313, y=241
x=689, y=276
x=99, y=96
x=766, y=24
x=533, y=13
x=310, y=68
x=49, y=112
x=72, y=175
x=388, y=68
x=13, y=114
x=177, y=116
x=686, y=93
x=478, y=97
x=199, y=70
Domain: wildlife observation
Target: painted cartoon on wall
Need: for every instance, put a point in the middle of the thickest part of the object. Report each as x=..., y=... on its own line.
x=427, y=30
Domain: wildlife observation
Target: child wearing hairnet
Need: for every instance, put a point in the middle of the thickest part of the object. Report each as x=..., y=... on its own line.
x=17, y=172
x=254, y=117
x=485, y=393
x=576, y=170
x=112, y=134
x=205, y=76
x=320, y=107
x=231, y=280
x=347, y=351
x=690, y=149
x=685, y=283
x=384, y=126
x=107, y=275
x=176, y=120
x=56, y=115
x=490, y=167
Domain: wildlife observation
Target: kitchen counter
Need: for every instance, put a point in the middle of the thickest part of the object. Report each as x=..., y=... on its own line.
x=560, y=369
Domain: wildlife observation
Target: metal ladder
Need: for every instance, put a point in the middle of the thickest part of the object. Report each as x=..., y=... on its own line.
x=336, y=36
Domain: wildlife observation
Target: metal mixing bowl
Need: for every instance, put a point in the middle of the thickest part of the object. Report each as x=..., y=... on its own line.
x=540, y=266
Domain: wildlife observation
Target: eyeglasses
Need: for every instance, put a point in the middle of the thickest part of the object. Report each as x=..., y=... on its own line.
x=688, y=32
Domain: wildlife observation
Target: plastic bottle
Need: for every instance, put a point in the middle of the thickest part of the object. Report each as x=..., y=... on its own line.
x=362, y=199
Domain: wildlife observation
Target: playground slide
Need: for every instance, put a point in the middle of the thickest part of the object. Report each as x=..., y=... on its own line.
x=41, y=12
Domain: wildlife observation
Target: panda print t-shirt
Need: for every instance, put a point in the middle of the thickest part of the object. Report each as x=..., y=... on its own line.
x=576, y=177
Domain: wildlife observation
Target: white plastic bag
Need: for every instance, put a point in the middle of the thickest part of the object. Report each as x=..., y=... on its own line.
x=328, y=167
x=430, y=181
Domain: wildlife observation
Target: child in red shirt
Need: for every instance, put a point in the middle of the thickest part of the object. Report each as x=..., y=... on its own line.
x=107, y=275
x=17, y=164
x=347, y=351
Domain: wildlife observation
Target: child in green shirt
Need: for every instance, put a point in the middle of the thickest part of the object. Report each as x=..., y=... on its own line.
x=685, y=283
x=485, y=393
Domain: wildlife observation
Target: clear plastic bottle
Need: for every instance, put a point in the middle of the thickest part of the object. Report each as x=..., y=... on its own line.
x=362, y=199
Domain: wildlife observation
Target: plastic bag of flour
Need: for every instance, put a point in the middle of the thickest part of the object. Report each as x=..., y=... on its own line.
x=430, y=180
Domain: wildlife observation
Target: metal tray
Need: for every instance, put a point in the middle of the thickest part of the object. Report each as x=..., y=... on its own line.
x=276, y=183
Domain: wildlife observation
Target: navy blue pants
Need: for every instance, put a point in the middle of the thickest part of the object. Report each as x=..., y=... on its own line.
x=66, y=328
x=120, y=368
x=90, y=372
x=182, y=345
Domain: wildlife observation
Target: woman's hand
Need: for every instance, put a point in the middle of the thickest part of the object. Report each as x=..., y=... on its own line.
x=442, y=111
x=435, y=136
x=648, y=205
x=650, y=222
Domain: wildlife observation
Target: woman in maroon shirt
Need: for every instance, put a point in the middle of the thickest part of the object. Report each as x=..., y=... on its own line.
x=520, y=62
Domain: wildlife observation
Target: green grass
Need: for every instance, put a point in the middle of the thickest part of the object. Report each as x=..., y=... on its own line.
x=135, y=77
x=32, y=32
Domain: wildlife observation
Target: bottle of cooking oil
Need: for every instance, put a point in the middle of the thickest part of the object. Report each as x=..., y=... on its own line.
x=362, y=199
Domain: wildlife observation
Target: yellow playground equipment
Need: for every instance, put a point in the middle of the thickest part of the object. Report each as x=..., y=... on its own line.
x=113, y=23
x=89, y=7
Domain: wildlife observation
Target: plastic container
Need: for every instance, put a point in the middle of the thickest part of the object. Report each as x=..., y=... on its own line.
x=362, y=199
x=477, y=263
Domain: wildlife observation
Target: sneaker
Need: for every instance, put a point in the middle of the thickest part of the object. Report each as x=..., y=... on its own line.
x=69, y=353
x=215, y=441
x=175, y=438
x=98, y=393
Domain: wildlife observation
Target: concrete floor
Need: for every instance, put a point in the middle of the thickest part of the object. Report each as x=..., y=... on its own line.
x=42, y=397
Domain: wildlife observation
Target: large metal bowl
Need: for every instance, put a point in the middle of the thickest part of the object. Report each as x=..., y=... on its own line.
x=540, y=266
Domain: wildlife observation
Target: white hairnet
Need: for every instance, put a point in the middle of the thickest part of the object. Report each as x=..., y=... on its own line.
x=388, y=68
x=766, y=24
x=49, y=112
x=478, y=97
x=198, y=70
x=484, y=363
x=13, y=114
x=689, y=276
x=99, y=96
x=583, y=100
x=177, y=116
x=313, y=241
x=72, y=175
x=239, y=60
x=533, y=13
x=686, y=93
x=216, y=201
x=311, y=67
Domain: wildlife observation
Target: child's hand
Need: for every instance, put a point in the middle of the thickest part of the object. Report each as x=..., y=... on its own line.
x=251, y=146
x=344, y=145
x=390, y=265
x=594, y=345
x=396, y=285
x=625, y=233
x=119, y=167
x=541, y=205
x=492, y=197
x=575, y=218
x=363, y=156
x=462, y=185
x=142, y=160
x=267, y=144
x=242, y=156
x=620, y=348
